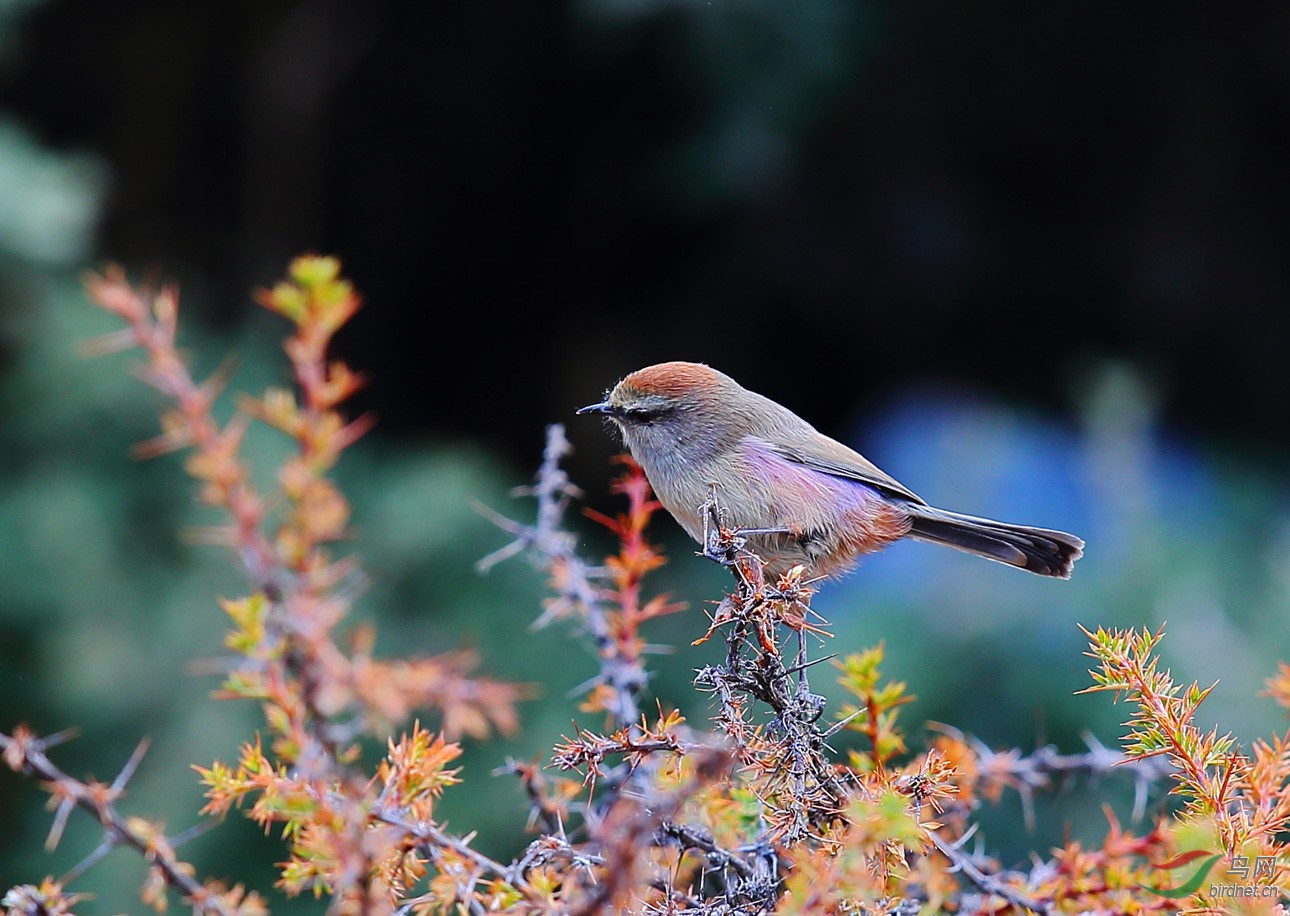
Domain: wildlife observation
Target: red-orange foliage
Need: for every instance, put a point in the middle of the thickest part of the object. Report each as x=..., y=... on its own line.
x=755, y=814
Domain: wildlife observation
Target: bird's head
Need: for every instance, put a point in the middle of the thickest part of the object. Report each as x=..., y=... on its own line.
x=660, y=393
x=670, y=405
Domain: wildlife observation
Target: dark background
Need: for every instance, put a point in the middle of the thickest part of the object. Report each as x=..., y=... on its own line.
x=830, y=201
x=1030, y=257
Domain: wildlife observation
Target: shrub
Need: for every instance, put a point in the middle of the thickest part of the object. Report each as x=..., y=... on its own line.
x=637, y=810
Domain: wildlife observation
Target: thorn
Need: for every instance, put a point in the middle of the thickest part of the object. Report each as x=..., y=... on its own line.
x=172, y=441
x=113, y=342
x=582, y=688
x=509, y=767
x=949, y=730
x=805, y=665
x=501, y=521
x=838, y=726
x=194, y=832
x=218, y=380
x=1140, y=786
x=354, y=430
x=91, y=860
x=1091, y=742
x=60, y=821
x=967, y=834
x=210, y=535
x=58, y=738
x=127, y=771
x=514, y=548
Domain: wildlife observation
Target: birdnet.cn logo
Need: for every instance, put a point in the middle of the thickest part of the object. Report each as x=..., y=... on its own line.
x=1246, y=878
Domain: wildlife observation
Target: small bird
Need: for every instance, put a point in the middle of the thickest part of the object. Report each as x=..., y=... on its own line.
x=799, y=496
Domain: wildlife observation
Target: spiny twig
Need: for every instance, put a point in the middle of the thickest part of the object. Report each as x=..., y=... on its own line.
x=577, y=582
x=1046, y=767
x=752, y=614
x=24, y=752
x=986, y=882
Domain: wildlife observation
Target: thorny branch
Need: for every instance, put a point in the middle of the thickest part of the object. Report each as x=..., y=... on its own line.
x=24, y=752
x=152, y=324
x=696, y=838
x=757, y=816
x=986, y=882
x=319, y=696
x=755, y=667
x=804, y=799
x=1046, y=768
x=579, y=591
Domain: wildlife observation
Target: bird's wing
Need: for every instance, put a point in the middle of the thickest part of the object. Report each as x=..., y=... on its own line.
x=836, y=459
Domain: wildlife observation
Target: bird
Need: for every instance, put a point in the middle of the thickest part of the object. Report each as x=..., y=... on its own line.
x=799, y=497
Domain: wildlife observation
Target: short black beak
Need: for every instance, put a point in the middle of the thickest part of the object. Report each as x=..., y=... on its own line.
x=603, y=407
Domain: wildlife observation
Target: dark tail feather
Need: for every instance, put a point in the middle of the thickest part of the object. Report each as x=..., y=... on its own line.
x=1040, y=550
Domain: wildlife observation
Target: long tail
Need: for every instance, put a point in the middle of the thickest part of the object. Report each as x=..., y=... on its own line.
x=1040, y=550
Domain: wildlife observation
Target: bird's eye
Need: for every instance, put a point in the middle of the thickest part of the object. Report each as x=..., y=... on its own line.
x=644, y=415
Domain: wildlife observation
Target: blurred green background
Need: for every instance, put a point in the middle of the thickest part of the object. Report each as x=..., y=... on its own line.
x=1030, y=259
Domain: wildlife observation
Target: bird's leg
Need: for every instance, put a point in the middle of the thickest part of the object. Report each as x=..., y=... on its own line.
x=715, y=539
x=720, y=543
